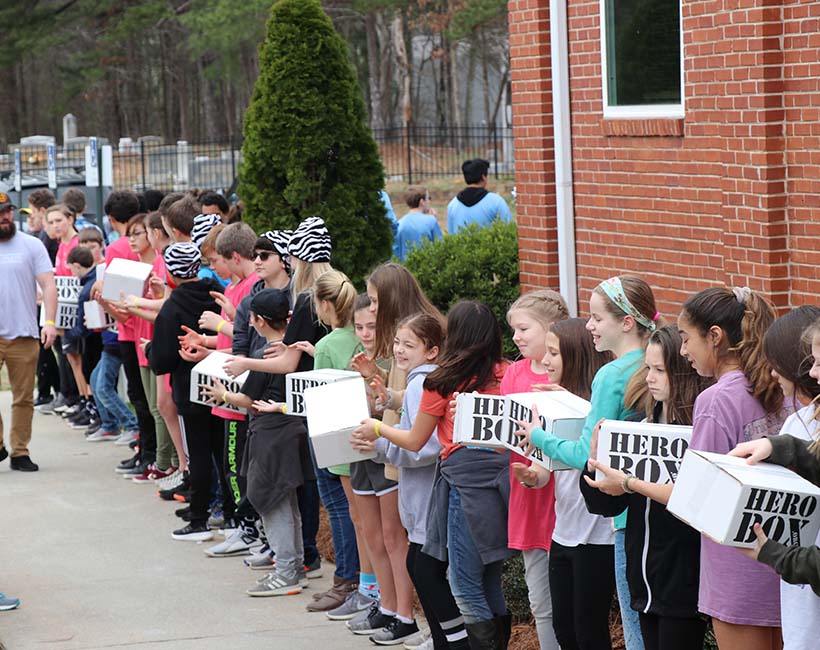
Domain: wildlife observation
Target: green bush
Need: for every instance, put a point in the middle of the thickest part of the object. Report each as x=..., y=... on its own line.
x=515, y=589
x=477, y=263
x=307, y=149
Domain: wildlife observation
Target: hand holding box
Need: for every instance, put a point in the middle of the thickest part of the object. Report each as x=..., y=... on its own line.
x=650, y=452
x=206, y=371
x=296, y=383
x=124, y=277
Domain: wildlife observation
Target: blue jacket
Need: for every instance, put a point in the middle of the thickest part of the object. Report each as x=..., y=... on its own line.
x=415, y=228
x=390, y=213
x=79, y=330
x=475, y=205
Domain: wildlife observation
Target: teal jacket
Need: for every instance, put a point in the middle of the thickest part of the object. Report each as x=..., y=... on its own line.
x=607, y=401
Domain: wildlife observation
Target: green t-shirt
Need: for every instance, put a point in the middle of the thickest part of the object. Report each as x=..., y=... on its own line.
x=335, y=351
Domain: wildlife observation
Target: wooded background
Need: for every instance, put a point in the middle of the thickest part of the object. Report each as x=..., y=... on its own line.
x=185, y=69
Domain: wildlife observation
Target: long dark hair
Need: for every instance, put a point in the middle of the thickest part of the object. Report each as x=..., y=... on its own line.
x=472, y=349
x=685, y=384
x=788, y=351
x=400, y=296
x=579, y=358
x=744, y=316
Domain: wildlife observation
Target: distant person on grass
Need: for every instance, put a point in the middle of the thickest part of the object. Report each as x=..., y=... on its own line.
x=24, y=264
x=475, y=204
x=418, y=226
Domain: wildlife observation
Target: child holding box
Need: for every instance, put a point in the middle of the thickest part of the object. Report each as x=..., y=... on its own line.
x=532, y=512
x=722, y=331
x=663, y=553
x=581, y=569
x=797, y=566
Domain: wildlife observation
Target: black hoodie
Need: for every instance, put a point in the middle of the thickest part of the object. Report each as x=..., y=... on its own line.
x=183, y=307
x=469, y=196
x=662, y=553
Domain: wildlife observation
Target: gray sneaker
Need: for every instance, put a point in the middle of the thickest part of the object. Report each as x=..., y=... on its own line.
x=355, y=603
x=276, y=585
x=370, y=621
x=48, y=408
x=7, y=603
x=237, y=544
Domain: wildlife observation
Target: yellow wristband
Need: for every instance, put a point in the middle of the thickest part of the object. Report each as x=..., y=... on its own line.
x=135, y=302
x=220, y=326
x=225, y=397
x=376, y=428
x=51, y=322
x=284, y=408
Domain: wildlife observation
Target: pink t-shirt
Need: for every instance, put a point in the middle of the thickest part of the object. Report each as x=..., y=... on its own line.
x=144, y=329
x=61, y=261
x=235, y=293
x=734, y=588
x=120, y=248
x=532, y=512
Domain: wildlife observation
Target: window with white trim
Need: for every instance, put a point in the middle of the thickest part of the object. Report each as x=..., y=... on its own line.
x=641, y=58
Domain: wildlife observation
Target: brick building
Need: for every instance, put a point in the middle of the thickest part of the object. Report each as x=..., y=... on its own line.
x=719, y=185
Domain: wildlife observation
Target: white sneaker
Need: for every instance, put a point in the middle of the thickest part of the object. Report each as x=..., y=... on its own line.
x=172, y=481
x=161, y=482
x=420, y=641
x=127, y=437
x=427, y=644
x=237, y=543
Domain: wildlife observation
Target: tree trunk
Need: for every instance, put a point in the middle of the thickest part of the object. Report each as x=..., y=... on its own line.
x=374, y=67
x=404, y=67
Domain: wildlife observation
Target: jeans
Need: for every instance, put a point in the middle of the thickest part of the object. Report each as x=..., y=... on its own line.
x=308, y=495
x=20, y=357
x=115, y=415
x=537, y=575
x=476, y=587
x=341, y=526
x=633, y=639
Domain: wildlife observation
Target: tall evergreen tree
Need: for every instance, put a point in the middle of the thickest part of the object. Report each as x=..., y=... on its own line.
x=307, y=148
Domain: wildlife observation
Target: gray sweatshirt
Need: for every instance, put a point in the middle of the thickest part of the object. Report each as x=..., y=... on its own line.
x=417, y=469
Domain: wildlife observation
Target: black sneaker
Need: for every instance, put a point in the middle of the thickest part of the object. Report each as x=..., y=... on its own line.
x=395, y=632
x=23, y=464
x=82, y=421
x=193, y=532
x=373, y=622
x=3, y=454
x=127, y=465
x=181, y=512
x=93, y=427
x=168, y=495
x=42, y=400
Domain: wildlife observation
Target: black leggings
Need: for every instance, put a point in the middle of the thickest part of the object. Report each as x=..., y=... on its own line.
x=136, y=395
x=667, y=633
x=236, y=434
x=48, y=373
x=429, y=576
x=582, y=582
x=205, y=435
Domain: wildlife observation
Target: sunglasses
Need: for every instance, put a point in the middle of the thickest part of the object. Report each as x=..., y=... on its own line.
x=263, y=255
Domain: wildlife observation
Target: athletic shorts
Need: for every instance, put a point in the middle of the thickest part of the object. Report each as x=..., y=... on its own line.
x=367, y=478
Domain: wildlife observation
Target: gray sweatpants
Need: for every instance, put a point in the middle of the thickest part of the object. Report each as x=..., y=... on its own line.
x=537, y=576
x=283, y=528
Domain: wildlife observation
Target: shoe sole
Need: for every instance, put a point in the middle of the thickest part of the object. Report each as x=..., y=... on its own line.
x=267, y=567
x=344, y=617
x=122, y=444
x=8, y=608
x=284, y=591
x=193, y=537
x=122, y=470
x=399, y=641
x=237, y=553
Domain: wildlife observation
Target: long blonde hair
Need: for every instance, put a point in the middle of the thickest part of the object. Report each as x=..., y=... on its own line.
x=305, y=275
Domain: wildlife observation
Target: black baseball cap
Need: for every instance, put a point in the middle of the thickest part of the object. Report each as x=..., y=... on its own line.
x=271, y=304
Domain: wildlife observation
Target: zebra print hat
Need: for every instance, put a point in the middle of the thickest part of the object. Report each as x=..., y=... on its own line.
x=311, y=241
x=280, y=239
x=203, y=224
x=182, y=260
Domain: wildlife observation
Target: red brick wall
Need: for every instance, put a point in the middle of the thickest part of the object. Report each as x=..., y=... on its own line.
x=724, y=196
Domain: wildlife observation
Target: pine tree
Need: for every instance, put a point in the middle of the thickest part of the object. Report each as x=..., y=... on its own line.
x=307, y=148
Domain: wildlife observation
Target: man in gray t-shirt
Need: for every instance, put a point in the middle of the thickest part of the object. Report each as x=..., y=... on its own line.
x=24, y=264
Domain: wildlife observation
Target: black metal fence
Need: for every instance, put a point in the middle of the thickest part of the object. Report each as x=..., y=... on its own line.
x=408, y=153
x=422, y=152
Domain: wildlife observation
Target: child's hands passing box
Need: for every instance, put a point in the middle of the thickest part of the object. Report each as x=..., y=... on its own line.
x=124, y=278
x=723, y=497
x=206, y=371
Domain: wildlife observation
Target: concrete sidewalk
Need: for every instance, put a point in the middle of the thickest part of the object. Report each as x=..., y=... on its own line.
x=91, y=557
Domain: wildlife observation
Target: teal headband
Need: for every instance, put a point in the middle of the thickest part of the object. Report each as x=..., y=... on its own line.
x=615, y=291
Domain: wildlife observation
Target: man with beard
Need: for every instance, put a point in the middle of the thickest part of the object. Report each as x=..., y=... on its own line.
x=24, y=264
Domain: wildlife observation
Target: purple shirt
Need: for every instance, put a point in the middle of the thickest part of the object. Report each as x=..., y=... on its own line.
x=733, y=588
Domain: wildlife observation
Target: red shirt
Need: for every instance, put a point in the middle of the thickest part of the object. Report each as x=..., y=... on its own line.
x=61, y=261
x=532, y=512
x=235, y=293
x=144, y=329
x=120, y=248
x=434, y=404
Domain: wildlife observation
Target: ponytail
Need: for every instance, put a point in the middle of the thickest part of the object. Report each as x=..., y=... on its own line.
x=336, y=288
x=744, y=316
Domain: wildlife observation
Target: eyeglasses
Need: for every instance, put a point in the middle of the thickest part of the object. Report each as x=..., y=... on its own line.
x=134, y=235
x=263, y=255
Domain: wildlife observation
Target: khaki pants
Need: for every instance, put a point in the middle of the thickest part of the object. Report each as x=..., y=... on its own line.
x=20, y=357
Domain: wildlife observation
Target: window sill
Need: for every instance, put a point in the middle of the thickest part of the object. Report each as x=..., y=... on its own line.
x=642, y=128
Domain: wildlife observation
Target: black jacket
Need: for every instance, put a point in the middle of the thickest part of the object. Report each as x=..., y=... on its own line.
x=798, y=565
x=183, y=307
x=662, y=553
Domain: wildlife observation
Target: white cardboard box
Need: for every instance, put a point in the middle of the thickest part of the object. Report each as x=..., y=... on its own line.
x=124, y=278
x=563, y=414
x=296, y=383
x=96, y=318
x=68, y=293
x=334, y=411
x=650, y=452
x=210, y=368
x=480, y=420
x=723, y=497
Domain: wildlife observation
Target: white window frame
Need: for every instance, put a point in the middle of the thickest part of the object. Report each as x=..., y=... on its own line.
x=642, y=111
